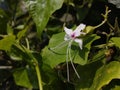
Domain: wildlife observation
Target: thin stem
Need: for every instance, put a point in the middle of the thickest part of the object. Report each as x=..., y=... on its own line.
x=27, y=43
x=36, y=67
x=6, y=67
x=68, y=77
x=105, y=18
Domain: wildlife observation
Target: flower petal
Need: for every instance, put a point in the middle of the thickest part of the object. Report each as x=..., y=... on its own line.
x=77, y=31
x=80, y=27
x=80, y=42
x=68, y=31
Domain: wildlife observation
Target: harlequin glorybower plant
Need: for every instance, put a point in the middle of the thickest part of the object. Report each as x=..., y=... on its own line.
x=29, y=61
x=69, y=37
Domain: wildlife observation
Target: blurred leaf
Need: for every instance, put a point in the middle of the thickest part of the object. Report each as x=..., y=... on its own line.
x=116, y=88
x=5, y=74
x=14, y=55
x=21, y=34
x=82, y=12
x=3, y=21
x=99, y=55
x=116, y=40
x=9, y=30
x=40, y=10
x=33, y=79
x=6, y=42
x=57, y=56
x=116, y=28
x=21, y=78
x=105, y=74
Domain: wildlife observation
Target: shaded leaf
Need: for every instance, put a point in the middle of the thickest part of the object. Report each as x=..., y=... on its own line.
x=87, y=73
x=21, y=78
x=3, y=21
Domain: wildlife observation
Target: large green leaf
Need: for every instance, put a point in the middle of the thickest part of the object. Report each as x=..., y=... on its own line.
x=116, y=40
x=58, y=55
x=6, y=42
x=41, y=10
x=21, y=78
x=105, y=74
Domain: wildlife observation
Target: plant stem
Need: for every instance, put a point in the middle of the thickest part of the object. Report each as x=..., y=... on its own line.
x=35, y=63
x=38, y=76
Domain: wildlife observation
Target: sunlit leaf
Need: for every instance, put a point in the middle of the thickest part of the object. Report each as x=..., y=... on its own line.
x=6, y=42
x=116, y=40
x=40, y=10
x=105, y=74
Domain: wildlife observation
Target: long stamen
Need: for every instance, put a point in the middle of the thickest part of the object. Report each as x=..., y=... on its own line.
x=69, y=53
x=59, y=45
x=68, y=77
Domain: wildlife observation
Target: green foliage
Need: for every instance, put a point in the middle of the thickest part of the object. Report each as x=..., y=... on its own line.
x=31, y=62
x=21, y=78
x=41, y=10
x=7, y=42
x=116, y=41
x=57, y=56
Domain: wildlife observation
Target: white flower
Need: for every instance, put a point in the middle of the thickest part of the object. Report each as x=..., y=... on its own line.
x=73, y=35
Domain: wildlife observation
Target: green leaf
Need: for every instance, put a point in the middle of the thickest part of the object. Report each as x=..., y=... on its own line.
x=82, y=56
x=105, y=74
x=6, y=42
x=21, y=34
x=116, y=40
x=58, y=55
x=41, y=10
x=54, y=58
x=9, y=30
x=99, y=55
x=21, y=78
